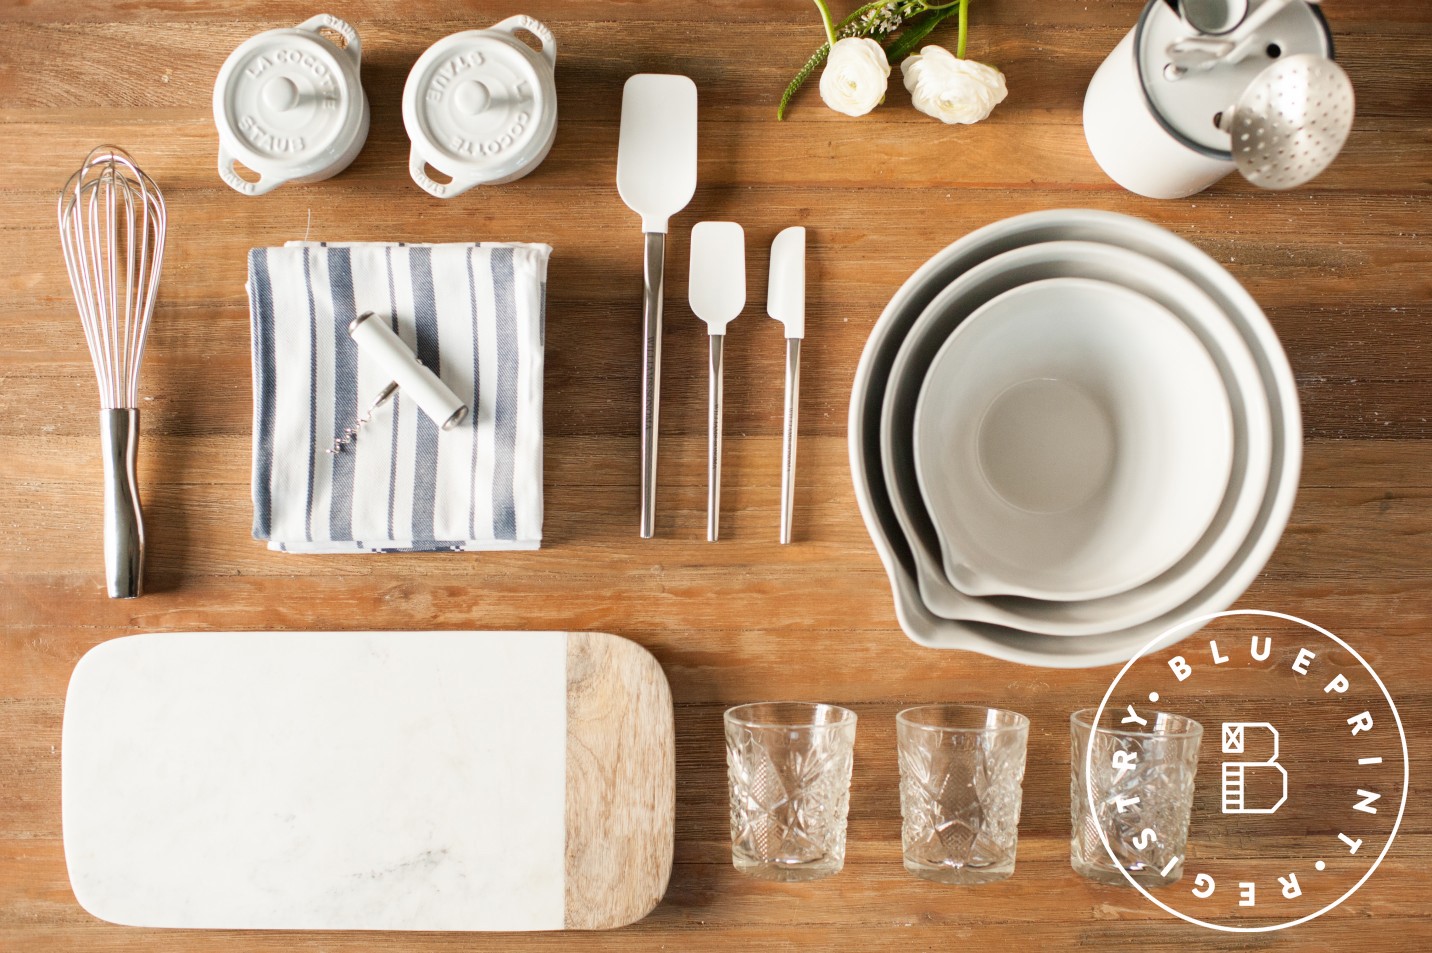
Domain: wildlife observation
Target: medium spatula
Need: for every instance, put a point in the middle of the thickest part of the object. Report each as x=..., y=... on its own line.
x=656, y=177
x=717, y=292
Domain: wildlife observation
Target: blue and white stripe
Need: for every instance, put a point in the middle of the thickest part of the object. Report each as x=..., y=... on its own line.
x=472, y=313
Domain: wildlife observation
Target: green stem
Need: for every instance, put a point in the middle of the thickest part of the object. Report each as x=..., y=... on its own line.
x=964, y=28
x=825, y=18
x=817, y=58
x=858, y=13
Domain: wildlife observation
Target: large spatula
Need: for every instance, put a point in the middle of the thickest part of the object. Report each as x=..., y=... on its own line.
x=656, y=176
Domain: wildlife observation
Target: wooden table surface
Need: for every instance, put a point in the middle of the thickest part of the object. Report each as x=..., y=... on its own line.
x=1341, y=268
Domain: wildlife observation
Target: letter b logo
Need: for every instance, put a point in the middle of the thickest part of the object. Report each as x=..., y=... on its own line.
x=1267, y=778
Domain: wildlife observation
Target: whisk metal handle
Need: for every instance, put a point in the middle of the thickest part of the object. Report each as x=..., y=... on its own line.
x=123, y=520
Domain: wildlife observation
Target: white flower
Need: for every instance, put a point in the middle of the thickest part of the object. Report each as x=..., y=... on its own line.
x=855, y=76
x=951, y=89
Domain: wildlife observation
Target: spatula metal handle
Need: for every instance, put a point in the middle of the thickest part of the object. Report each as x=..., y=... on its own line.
x=713, y=440
x=123, y=520
x=788, y=441
x=654, y=281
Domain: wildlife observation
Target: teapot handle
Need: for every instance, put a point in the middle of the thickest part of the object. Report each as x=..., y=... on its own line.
x=352, y=46
x=537, y=29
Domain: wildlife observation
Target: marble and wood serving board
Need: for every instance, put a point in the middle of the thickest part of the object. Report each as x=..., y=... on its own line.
x=369, y=780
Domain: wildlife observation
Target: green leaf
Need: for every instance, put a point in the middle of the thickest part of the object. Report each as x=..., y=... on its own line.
x=912, y=36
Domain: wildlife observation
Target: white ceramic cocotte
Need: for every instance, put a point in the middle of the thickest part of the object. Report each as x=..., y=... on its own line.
x=289, y=105
x=481, y=107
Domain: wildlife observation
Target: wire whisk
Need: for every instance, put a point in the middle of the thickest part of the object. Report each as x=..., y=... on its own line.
x=112, y=223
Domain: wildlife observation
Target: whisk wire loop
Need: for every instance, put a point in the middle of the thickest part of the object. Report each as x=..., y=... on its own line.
x=112, y=219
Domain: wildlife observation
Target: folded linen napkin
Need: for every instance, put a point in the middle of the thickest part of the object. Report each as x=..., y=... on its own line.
x=475, y=315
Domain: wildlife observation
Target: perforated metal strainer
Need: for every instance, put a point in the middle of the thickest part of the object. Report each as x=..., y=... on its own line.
x=1291, y=121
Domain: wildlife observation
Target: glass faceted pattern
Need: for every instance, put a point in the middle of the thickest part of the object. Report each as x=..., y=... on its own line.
x=789, y=766
x=1156, y=794
x=961, y=776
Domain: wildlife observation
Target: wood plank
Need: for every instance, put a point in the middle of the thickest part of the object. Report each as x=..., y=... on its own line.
x=621, y=782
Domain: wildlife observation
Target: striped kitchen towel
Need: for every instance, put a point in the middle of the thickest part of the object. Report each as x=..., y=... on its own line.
x=475, y=315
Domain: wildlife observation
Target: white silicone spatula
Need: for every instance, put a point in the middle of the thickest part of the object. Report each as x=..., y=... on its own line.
x=717, y=292
x=785, y=301
x=656, y=176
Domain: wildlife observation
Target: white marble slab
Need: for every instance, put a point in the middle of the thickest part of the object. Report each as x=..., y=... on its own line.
x=382, y=781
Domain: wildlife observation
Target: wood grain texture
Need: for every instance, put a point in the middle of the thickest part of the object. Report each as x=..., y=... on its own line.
x=621, y=782
x=1342, y=267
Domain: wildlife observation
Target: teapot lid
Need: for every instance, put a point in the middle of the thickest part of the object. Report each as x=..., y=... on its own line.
x=1188, y=106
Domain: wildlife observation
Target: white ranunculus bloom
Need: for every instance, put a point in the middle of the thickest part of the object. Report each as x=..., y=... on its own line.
x=856, y=75
x=951, y=89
